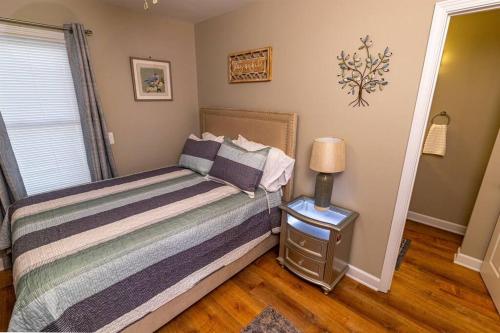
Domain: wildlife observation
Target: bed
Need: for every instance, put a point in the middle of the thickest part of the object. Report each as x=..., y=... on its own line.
x=133, y=252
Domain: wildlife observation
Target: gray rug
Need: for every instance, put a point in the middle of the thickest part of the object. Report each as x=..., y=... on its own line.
x=403, y=248
x=270, y=321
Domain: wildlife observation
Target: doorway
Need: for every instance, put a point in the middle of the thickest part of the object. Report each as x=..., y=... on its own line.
x=443, y=13
x=461, y=132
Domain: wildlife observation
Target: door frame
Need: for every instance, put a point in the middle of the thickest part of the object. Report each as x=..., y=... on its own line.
x=443, y=11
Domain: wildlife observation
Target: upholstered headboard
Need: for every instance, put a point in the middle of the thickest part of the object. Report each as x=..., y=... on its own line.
x=270, y=128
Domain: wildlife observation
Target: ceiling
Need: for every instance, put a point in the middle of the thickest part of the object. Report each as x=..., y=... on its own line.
x=187, y=10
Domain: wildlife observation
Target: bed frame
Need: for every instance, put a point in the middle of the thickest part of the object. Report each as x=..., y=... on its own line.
x=270, y=128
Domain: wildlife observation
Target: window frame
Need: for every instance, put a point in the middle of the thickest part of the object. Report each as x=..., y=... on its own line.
x=42, y=34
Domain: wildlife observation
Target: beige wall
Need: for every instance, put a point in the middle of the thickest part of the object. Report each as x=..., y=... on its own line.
x=306, y=37
x=486, y=210
x=148, y=134
x=468, y=89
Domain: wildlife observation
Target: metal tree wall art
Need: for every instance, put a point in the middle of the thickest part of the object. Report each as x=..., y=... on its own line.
x=366, y=75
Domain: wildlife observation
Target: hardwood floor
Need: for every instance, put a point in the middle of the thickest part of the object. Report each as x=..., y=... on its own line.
x=429, y=293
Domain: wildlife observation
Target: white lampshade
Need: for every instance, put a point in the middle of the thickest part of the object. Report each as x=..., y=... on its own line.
x=328, y=155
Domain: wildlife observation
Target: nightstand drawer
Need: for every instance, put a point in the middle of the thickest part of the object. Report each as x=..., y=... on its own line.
x=305, y=265
x=307, y=244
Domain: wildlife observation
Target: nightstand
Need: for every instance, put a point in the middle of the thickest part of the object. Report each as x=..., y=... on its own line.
x=316, y=244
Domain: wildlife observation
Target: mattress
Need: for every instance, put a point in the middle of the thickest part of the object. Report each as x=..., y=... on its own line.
x=101, y=256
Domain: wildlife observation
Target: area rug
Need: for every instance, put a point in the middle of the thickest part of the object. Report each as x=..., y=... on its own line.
x=403, y=248
x=270, y=321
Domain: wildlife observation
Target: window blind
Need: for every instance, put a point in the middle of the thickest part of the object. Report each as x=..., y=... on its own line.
x=39, y=107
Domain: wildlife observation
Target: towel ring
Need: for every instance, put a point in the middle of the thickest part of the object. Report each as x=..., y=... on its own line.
x=442, y=114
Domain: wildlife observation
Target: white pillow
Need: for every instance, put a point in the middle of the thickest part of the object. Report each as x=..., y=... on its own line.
x=207, y=136
x=278, y=168
x=210, y=136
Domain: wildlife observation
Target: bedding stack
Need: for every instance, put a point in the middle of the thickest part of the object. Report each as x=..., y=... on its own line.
x=241, y=163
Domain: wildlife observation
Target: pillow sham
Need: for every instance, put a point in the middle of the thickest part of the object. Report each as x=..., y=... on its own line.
x=278, y=168
x=239, y=167
x=199, y=155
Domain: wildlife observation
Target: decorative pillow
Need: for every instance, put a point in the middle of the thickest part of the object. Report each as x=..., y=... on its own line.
x=279, y=166
x=239, y=167
x=199, y=155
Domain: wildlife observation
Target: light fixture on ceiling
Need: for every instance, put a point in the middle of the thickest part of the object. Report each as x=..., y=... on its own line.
x=146, y=4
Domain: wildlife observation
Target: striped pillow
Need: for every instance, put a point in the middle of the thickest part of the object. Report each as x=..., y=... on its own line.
x=199, y=155
x=239, y=167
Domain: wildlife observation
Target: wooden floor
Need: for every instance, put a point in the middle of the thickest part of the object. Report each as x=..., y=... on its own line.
x=429, y=293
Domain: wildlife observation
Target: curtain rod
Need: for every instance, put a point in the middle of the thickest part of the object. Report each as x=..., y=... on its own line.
x=40, y=25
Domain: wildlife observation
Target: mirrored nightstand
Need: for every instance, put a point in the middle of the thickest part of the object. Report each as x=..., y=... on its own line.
x=315, y=244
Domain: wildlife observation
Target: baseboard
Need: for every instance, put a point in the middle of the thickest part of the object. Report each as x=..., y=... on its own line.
x=437, y=223
x=363, y=277
x=467, y=261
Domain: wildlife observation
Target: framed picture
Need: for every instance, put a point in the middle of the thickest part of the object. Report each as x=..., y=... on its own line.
x=250, y=66
x=152, y=79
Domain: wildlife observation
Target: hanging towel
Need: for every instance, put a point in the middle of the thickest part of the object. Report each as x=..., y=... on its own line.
x=436, y=140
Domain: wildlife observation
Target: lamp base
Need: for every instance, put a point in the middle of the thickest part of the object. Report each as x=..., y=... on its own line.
x=323, y=191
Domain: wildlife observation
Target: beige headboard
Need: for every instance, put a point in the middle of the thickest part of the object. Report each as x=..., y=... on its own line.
x=270, y=128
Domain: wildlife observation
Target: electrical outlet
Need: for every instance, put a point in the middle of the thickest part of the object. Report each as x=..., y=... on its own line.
x=111, y=137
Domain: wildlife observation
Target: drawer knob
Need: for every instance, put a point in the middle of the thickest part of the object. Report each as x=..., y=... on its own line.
x=302, y=242
x=301, y=261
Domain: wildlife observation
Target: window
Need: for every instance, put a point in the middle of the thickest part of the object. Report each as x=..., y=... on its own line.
x=39, y=107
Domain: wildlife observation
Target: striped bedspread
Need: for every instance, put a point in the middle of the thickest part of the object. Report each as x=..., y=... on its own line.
x=100, y=256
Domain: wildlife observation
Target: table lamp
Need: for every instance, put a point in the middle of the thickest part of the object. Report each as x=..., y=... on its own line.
x=327, y=158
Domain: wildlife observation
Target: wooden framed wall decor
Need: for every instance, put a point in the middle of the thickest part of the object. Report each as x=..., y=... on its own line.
x=250, y=66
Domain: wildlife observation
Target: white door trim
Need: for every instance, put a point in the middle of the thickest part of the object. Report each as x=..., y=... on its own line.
x=442, y=13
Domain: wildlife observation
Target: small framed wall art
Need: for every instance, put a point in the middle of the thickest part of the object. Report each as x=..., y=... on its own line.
x=250, y=66
x=152, y=79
